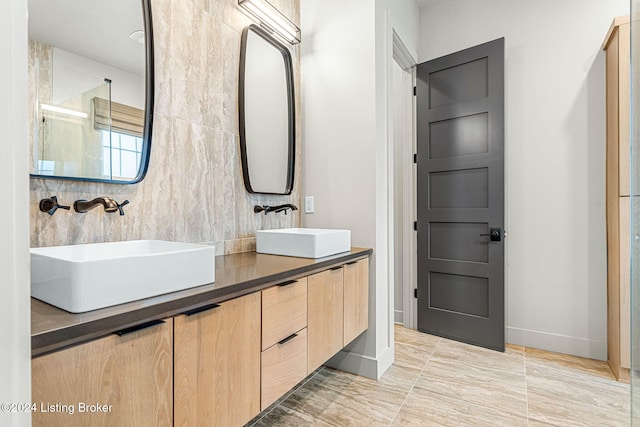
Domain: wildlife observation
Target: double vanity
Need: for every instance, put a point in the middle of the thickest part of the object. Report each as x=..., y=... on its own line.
x=216, y=354
x=162, y=333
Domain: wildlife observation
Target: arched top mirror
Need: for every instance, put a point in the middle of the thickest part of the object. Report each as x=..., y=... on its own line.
x=267, y=120
x=90, y=89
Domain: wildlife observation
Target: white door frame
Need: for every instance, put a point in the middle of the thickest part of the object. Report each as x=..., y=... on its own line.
x=407, y=62
x=15, y=308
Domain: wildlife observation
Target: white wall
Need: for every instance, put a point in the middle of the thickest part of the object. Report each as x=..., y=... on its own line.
x=74, y=75
x=555, y=158
x=345, y=58
x=15, y=313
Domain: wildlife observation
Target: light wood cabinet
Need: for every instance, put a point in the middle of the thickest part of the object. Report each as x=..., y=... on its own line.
x=325, y=316
x=111, y=381
x=356, y=299
x=617, y=47
x=284, y=365
x=284, y=338
x=217, y=364
x=220, y=364
x=284, y=311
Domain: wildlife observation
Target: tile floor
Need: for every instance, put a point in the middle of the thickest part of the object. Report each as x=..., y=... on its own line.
x=435, y=381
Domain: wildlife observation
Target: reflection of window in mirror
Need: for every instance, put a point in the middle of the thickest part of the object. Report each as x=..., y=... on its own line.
x=121, y=155
x=121, y=129
x=90, y=72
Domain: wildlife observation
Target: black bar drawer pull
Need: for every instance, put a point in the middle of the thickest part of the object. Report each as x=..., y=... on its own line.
x=287, y=339
x=288, y=282
x=200, y=309
x=137, y=328
x=336, y=268
x=351, y=263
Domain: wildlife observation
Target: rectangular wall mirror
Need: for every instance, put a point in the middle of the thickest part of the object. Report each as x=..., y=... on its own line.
x=267, y=121
x=90, y=89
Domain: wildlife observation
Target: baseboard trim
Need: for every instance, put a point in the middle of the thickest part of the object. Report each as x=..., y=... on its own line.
x=359, y=364
x=582, y=347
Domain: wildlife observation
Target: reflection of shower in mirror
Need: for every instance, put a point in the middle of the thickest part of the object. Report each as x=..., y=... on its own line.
x=91, y=95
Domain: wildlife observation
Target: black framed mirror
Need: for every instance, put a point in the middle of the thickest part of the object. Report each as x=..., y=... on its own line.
x=267, y=113
x=91, y=89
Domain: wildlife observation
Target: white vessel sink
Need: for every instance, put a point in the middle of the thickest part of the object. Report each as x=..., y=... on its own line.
x=81, y=278
x=303, y=242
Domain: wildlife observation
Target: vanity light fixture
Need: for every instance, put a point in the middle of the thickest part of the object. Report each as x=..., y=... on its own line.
x=61, y=110
x=272, y=19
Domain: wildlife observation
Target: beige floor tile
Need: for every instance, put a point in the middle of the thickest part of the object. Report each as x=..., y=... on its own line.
x=425, y=408
x=571, y=397
x=471, y=355
x=340, y=399
x=286, y=417
x=417, y=339
x=500, y=390
x=536, y=423
x=435, y=381
x=411, y=356
x=401, y=377
x=313, y=399
x=592, y=367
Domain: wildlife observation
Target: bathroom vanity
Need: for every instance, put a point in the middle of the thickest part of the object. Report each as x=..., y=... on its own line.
x=213, y=355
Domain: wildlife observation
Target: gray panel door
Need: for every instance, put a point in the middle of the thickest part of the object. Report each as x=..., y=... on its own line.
x=461, y=195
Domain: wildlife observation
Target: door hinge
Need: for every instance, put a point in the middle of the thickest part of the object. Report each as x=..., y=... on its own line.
x=415, y=158
x=415, y=293
x=415, y=225
x=415, y=91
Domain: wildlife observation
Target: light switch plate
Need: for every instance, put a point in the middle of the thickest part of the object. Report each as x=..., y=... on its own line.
x=309, y=204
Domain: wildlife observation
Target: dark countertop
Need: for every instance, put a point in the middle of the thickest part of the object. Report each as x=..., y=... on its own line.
x=236, y=275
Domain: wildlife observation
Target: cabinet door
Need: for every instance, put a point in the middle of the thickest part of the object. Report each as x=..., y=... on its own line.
x=217, y=364
x=356, y=299
x=325, y=316
x=128, y=379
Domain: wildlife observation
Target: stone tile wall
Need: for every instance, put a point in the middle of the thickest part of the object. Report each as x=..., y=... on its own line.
x=193, y=191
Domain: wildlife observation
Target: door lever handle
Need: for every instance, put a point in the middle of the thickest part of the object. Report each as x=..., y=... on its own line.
x=494, y=234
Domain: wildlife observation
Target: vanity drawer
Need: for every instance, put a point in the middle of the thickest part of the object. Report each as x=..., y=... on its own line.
x=284, y=311
x=283, y=366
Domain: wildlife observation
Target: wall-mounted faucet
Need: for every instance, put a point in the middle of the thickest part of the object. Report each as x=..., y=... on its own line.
x=109, y=204
x=280, y=208
x=51, y=205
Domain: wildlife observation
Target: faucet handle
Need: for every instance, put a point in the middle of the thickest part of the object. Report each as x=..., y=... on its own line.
x=120, y=205
x=51, y=205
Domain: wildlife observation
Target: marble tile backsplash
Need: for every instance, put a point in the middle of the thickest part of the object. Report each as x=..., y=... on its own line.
x=193, y=191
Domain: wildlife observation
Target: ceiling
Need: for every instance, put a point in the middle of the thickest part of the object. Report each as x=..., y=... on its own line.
x=94, y=29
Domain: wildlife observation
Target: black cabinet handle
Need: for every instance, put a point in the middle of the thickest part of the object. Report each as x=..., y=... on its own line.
x=137, y=328
x=351, y=263
x=288, y=282
x=287, y=339
x=336, y=268
x=200, y=309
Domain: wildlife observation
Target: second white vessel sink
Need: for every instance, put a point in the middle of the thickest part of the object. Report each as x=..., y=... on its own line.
x=303, y=242
x=81, y=278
